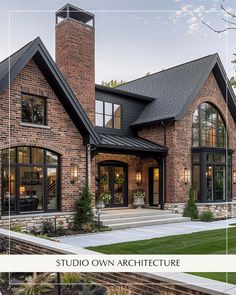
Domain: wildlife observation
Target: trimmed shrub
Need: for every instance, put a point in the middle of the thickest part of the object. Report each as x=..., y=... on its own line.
x=48, y=227
x=84, y=212
x=207, y=216
x=191, y=208
x=70, y=278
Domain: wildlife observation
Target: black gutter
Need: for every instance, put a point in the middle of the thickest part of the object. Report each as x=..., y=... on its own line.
x=123, y=93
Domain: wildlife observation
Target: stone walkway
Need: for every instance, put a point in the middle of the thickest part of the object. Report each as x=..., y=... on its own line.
x=143, y=233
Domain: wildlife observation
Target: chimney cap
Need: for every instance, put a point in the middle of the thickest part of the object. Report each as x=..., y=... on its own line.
x=75, y=13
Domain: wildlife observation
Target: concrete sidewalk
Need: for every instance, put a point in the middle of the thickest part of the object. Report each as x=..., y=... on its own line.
x=143, y=233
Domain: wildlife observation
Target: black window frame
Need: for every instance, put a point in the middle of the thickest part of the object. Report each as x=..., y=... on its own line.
x=45, y=165
x=199, y=126
x=113, y=115
x=203, y=163
x=45, y=107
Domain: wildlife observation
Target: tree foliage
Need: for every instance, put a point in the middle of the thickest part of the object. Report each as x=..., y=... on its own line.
x=233, y=79
x=112, y=83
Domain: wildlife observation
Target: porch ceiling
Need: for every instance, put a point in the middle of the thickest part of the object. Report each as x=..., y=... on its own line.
x=123, y=143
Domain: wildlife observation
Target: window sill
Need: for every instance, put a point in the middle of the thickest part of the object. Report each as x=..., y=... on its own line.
x=34, y=125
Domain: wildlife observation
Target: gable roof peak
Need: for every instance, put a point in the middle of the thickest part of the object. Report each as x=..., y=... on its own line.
x=175, y=88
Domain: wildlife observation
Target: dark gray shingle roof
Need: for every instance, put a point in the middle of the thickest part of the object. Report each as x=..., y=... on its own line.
x=129, y=143
x=173, y=89
x=11, y=61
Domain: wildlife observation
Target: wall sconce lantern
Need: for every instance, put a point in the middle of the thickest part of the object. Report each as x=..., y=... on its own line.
x=234, y=177
x=73, y=173
x=186, y=176
x=138, y=177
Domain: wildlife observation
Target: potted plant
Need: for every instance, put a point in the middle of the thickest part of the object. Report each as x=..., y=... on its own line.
x=103, y=199
x=138, y=197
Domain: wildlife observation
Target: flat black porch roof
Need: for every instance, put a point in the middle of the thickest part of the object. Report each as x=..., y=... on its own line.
x=124, y=143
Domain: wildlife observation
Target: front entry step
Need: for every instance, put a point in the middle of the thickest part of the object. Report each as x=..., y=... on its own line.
x=138, y=218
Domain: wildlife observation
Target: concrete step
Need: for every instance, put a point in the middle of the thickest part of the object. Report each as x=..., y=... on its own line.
x=148, y=223
x=106, y=215
x=138, y=218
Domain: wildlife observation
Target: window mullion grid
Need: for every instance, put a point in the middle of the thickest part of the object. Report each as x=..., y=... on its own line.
x=199, y=125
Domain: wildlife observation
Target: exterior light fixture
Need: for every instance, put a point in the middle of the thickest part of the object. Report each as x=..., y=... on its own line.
x=138, y=177
x=73, y=173
x=234, y=177
x=22, y=190
x=186, y=176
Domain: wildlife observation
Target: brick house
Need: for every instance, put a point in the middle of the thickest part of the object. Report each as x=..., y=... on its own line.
x=163, y=133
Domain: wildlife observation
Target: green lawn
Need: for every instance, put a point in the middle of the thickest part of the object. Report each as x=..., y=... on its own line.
x=208, y=242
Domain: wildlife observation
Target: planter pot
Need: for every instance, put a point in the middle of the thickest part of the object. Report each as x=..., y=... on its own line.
x=138, y=202
x=100, y=204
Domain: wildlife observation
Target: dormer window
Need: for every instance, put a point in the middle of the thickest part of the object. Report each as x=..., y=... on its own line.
x=33, y=109
x=108, y=115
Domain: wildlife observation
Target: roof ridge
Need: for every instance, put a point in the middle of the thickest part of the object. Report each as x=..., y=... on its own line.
x=171, y=68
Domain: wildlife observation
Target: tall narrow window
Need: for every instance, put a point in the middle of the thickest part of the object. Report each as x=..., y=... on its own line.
x=33, y=109
x=108, y=115
x=211, y=171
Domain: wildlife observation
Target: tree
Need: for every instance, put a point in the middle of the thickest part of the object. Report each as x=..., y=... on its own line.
x=84, y=212
x=230, y=24
x=191, y=208
x=233, y=79
x=112, y=83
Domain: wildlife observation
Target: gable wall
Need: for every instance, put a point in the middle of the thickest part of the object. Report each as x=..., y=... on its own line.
x=179, y=140
x=61, y=136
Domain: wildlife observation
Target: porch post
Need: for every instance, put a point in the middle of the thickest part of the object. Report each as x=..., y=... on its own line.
x=162, y=166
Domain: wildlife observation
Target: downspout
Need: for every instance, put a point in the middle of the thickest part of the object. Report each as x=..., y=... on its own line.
x=89, y=149
x=164, y=169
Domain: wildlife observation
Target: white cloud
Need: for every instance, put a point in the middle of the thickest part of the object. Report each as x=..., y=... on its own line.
x=192, y=20
x=193, y=28
x=186, y=7
x=200, y=8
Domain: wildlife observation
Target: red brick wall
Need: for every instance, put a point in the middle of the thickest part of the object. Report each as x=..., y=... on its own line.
x=179, y=140
x=75, y=51
x=62, y=137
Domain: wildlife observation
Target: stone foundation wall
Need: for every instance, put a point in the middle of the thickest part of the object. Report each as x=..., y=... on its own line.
x=35, y=221
x=177, y=208
x=220, y=210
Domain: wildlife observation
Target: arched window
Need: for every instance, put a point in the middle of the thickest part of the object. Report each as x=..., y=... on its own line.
x=30, y=180
x=208, y=127
x=211, y=160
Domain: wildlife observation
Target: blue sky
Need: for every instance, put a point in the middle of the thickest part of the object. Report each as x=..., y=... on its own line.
x=133, y=37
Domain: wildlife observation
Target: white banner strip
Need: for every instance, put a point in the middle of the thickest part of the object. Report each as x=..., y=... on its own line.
x=117, y=263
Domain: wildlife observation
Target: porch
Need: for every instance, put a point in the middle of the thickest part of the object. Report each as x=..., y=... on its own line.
x=125, y=165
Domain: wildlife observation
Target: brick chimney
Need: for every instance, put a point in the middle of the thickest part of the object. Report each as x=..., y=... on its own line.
x=75, y=53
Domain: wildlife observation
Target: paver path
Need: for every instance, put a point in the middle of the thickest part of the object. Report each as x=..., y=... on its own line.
x=143, y=233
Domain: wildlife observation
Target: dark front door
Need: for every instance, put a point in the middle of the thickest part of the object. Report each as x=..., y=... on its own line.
x=113, y=179
x=155, y=187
